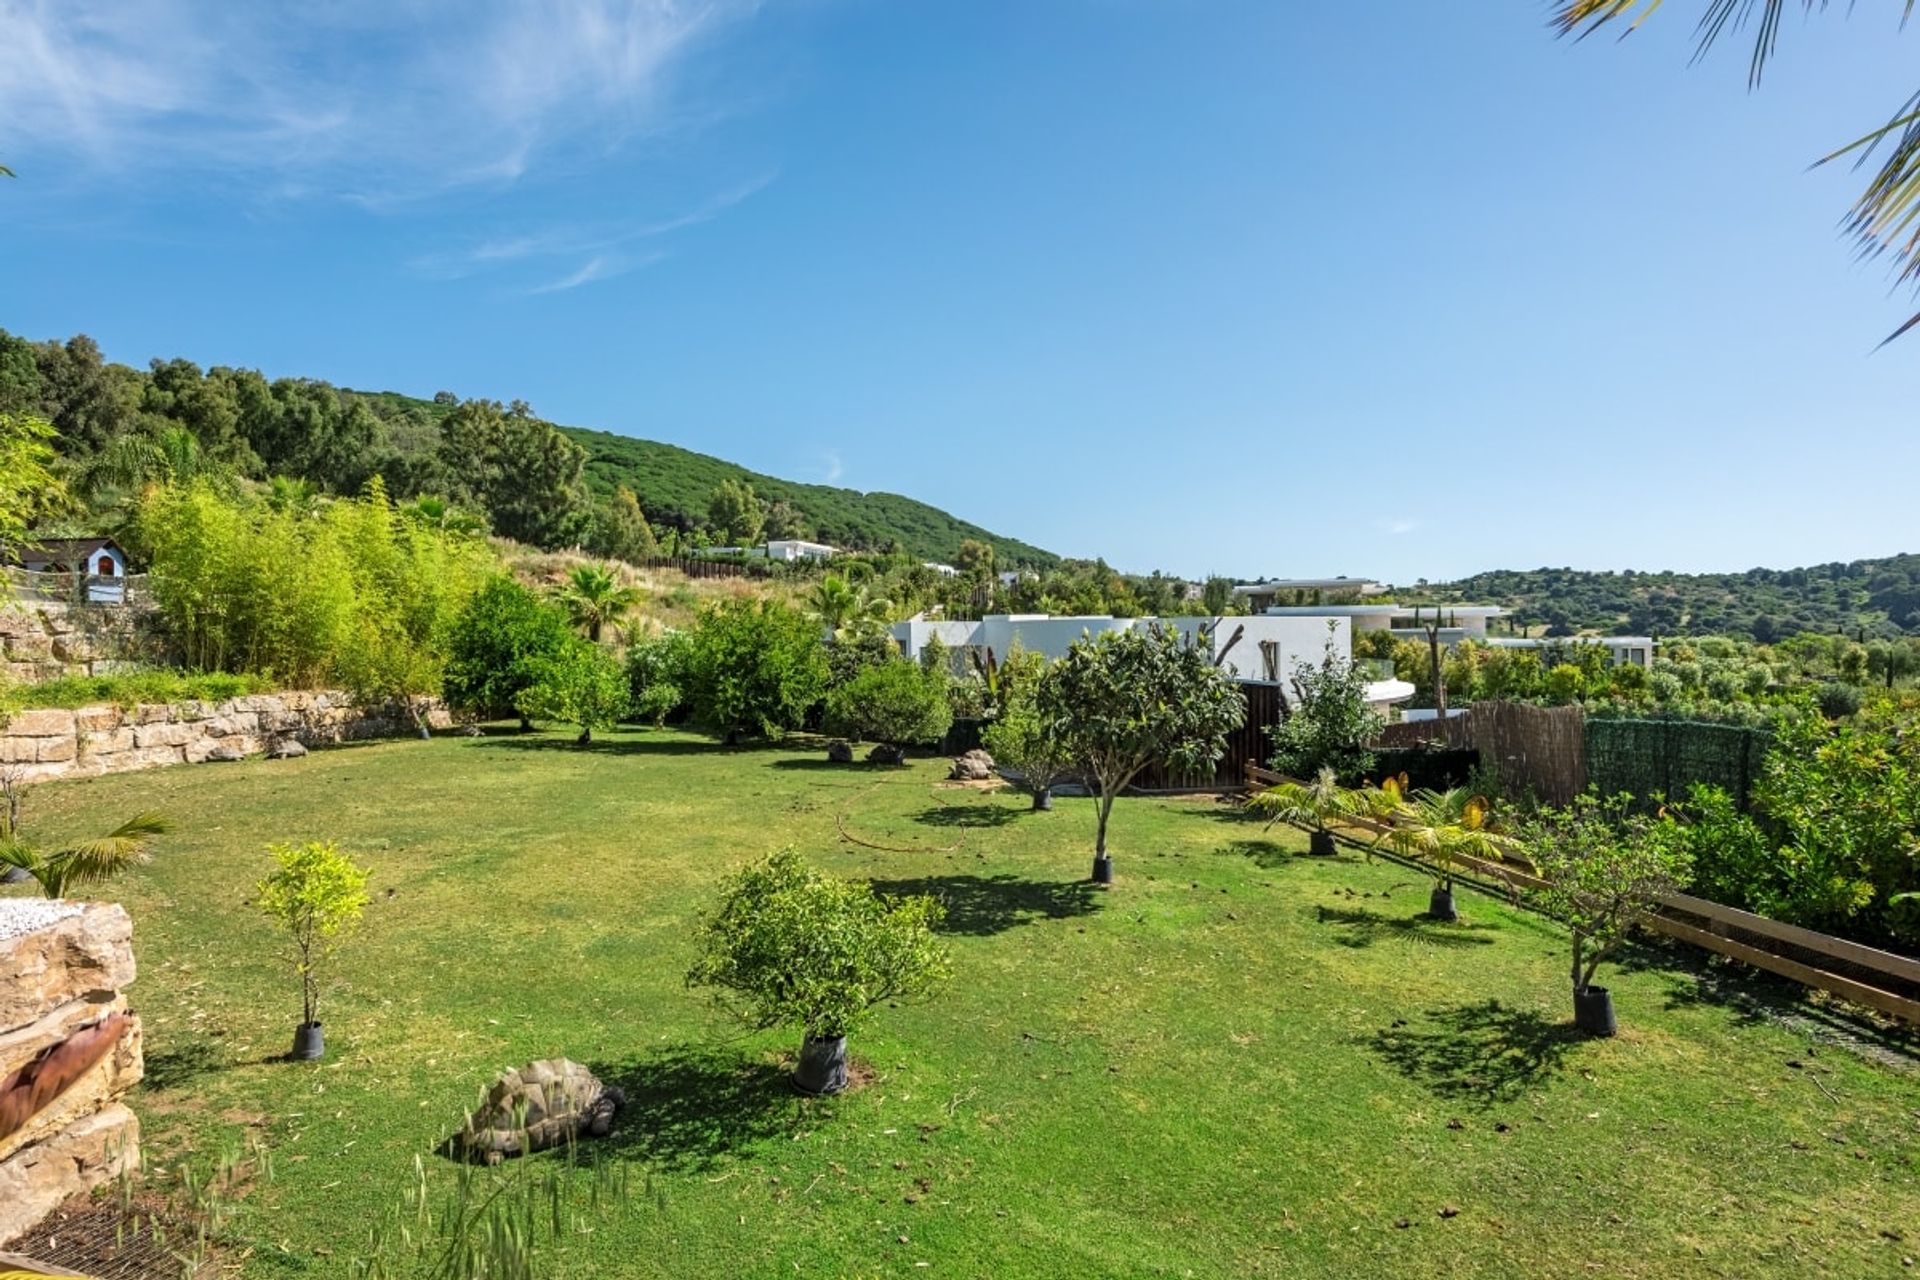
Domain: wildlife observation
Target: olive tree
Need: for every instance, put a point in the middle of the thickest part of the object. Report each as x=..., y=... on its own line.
x=1132, y=699
x=790, y=946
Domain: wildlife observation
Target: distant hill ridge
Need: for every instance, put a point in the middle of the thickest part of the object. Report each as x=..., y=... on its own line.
x=1877, y=597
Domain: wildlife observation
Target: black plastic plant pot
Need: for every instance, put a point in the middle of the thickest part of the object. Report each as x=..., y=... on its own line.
x=1320, y=843
x=1102, y=869
x=309, y=1045
x=823, y=1065
x=1440, y=904
x=1043, y=801
x=1593, y=1011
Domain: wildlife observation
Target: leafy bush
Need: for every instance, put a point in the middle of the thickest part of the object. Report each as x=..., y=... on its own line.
x=657, y=677
x=496, y=645
x=1330, y=722
x=316, y=895
x=1734, y=861
x=581, y=685
x=1021, y=737
x=1605, y=867
x=851, y=654
x=789, y=946
x=899, y=703
x=755, y=667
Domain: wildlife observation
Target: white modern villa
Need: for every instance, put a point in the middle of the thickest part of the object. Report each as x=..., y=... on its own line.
x=1261, y=648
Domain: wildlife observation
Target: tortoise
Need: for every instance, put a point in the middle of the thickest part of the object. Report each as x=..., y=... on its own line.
x=543, y=1104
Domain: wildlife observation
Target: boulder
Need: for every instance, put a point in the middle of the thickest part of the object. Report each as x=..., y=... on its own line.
x=887, y=753
x=72, y=1162
x=70, y=958
x=840, y=752
x=973, y=766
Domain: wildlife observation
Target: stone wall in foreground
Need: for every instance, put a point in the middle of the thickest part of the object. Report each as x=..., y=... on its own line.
x=46, y=744
x=69, y=1051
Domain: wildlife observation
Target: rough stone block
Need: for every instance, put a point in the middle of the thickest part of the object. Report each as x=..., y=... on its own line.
x=97, y=719
x=153, y=757
x=30, y=648
x=161, y=735
x=54, y=750
x=107, y=741
x=42, y=723
x=66, y=961
x=35, y=1181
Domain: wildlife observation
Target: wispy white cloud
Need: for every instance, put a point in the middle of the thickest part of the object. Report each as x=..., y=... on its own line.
x=1397, y=527
x=505, y=250
x=834, y=469
x=602, y=266
x=375, y=100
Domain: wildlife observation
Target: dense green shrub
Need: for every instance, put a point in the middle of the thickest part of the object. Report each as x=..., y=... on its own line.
x=899, y=703
x=1734, y=860
x=1329, y=723
x=494, y=646
x=581, y=685
x=853, y=653
x=790, y=946
x=754, y=667
x=131, y=688
x=657, y=677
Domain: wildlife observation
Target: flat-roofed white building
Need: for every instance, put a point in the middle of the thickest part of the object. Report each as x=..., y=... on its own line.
x=1622, y=651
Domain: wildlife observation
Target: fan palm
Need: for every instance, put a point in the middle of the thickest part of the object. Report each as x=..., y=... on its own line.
x=1438, y=828
x=1311, y=803
x=77, y=865
x=595, y=599
x=840, y=605
x=1886, y=216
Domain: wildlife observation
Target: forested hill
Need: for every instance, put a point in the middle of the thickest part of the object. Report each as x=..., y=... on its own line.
x=532, y=480
x=676, y=482
x=1879, y=597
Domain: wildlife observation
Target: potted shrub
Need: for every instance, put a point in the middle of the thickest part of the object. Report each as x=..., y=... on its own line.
x=1606, y=869
x=316, y=896
x=1436, y=828
x=1309, y=803
x=789, y=946
x=896, y=705
x=1020, y=738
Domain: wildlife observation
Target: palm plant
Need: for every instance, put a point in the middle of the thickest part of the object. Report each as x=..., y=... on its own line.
x=1312, y=803
x=596, y=601
x=840, y=605
x=1886, y=216
x=1437, y=828
x=77, y=865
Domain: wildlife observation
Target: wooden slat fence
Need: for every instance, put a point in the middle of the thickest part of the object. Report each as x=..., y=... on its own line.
x=1881, y=980
x=1537, y=749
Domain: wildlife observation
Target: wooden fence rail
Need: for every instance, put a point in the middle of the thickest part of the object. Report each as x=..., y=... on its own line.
x=1881, y=980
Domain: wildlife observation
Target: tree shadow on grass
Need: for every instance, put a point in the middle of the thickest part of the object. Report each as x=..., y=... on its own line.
x=984, y=905
x=970, y=815
x=1485, y=1053
x=1360, y=927
x=182, y=1063
x=1268, y=855
x=603, y=746
x=688, y=1107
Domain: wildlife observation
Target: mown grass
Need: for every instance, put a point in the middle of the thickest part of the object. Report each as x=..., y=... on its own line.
x=1237, y=1061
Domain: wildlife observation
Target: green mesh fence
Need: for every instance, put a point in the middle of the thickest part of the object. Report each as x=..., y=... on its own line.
x=1666, y=757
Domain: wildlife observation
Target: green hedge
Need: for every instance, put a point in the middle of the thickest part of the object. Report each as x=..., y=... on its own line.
x=1666, y=757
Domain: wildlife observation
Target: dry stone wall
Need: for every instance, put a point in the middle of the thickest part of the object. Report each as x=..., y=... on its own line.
x=41, y=745
x=44, y=640
x=69, y=1052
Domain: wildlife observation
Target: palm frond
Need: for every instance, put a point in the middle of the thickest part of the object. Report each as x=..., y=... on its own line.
x=107, y=856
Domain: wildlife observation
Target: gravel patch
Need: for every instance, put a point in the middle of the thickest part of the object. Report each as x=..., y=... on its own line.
x=21, y=916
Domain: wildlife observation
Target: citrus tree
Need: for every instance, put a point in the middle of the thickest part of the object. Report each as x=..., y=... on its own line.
x=789, y=946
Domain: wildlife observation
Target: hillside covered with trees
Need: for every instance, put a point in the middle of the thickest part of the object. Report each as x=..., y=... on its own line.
x=1861, y=598
x=530, y=479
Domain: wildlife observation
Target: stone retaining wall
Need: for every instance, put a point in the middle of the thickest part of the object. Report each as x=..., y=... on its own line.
x=59, y=983
x=43, y=640
x=44, y=744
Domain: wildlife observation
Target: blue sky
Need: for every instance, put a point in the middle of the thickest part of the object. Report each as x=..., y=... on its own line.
x=1392, y=288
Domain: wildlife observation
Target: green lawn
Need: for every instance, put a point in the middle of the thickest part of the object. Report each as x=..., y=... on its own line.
x=1237, y=1061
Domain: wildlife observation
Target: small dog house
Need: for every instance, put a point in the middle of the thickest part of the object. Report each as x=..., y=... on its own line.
x=99, y=565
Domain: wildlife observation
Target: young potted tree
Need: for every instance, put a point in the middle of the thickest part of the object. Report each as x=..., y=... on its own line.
x=789, y=946
x=317, y=896
x=1436, y=828
x=1020, y=737
x=1131, y=699
x=1606, y=869
x=1311, y=804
